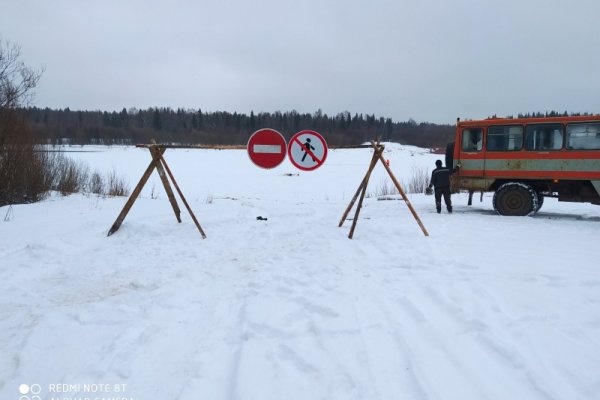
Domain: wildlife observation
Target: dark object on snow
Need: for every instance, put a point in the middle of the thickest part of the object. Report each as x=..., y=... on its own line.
x=259, y=218
x=428, y=191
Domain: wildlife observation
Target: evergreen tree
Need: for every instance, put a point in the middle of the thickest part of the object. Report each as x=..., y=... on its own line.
x=156, y=120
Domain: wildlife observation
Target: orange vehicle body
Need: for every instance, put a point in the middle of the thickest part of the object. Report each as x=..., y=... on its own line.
x=537, y=157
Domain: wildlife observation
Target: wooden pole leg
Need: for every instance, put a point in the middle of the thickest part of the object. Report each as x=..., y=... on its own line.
x=358, y=208
x=156, y=157
x=187, y=206
x=362, y=190
x=401, y=191
x=134, y=195
x=360, y=187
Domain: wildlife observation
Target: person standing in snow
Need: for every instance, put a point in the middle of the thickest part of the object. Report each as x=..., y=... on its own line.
x=440, y=180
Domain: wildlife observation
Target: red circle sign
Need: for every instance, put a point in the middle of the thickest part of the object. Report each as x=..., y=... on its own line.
x=307, y=150
x=266, y=148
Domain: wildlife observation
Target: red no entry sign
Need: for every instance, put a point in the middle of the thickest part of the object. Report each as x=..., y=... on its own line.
x=266, y=148
x=307, y=150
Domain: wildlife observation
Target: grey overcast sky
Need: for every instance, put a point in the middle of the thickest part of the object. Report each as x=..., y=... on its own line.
x=430, y=60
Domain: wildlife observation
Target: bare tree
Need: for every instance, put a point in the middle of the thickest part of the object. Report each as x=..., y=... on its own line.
x=17, y=80
x=23, y=172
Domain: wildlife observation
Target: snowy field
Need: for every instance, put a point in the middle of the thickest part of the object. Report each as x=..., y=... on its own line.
x=486, y=307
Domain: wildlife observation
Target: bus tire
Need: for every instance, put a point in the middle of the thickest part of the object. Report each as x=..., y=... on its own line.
x=515, y=199
x=540, y=199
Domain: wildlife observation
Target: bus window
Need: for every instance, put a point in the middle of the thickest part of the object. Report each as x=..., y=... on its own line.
x=505, y=138
x=583, y=136
x=543, y=137
x=472, y=139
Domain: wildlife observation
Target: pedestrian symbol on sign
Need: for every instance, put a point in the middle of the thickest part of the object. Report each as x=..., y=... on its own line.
x=308, y=147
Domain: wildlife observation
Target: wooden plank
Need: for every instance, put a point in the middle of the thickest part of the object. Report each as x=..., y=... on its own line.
x=182, y=197
x=362, y=184
x=377, y=153
x=397, y=184
x=357, y=212
x=134, y=195
x=156, y=156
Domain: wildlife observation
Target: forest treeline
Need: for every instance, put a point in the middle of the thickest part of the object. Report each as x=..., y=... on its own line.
x=184, y=126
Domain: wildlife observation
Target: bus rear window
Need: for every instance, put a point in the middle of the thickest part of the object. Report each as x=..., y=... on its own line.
x=505, y=138
x=584, y=136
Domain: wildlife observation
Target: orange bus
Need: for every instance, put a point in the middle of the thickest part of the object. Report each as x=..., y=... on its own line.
x=526, y=159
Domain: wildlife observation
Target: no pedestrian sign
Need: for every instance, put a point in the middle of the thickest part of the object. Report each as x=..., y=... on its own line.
x=307, y=150
x=266, y=148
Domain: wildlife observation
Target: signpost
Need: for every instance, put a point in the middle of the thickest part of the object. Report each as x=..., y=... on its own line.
x=266, y=148
x=307, y=150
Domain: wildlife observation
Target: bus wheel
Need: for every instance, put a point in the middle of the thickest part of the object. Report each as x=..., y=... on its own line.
x=515, y=199
x=540, y=199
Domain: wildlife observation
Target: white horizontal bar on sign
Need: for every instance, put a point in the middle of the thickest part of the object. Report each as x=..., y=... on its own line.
x=267, y=148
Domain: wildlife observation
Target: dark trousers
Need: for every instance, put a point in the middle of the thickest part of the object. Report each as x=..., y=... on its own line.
x=439, y=192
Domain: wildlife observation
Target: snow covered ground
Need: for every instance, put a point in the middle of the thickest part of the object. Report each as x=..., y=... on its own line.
x=486, y=307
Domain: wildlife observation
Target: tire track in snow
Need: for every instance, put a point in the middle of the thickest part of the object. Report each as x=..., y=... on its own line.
x=440, y=360
x=234, y=365
x=415, y=380
x=473, y=337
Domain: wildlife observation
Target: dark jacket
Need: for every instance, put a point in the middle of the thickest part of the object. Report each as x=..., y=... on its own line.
x=440, y=178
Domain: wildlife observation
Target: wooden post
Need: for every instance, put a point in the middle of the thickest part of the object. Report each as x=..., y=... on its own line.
x=134, y=195
x=182, y=197
x=156, y=156
x=359, y=205
x=397, y=184
x=360, y=187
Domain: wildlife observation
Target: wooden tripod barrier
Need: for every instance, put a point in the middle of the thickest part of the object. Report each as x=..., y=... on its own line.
x=161, y=166
x=362, y=188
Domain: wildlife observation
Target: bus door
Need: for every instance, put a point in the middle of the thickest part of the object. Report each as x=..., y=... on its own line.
x=471, y=159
